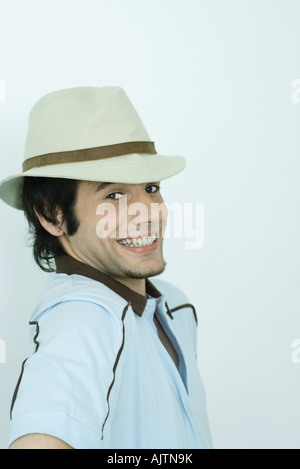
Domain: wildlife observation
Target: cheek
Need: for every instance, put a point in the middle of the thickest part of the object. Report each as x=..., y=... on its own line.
x=159, y=213
x=164, y=214
x=87, y=221
x=107, y=220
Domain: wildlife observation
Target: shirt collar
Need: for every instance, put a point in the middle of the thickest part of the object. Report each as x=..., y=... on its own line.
x=66, y=264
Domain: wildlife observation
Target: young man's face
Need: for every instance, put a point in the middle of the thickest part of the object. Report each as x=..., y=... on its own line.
x=121, y=228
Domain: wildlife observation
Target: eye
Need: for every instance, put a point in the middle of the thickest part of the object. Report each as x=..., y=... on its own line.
x=115, y=196
x=153, y=189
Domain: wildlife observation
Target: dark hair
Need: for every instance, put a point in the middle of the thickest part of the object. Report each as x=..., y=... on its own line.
x=48, y=196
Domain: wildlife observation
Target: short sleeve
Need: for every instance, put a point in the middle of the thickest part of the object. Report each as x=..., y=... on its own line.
x=63, y=391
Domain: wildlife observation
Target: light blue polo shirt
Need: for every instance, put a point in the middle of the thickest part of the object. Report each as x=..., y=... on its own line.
x=98, y=375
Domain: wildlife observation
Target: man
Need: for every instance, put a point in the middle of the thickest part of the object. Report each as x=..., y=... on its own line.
x=113, y=362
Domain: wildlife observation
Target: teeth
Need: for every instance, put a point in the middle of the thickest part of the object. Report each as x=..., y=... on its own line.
x=137, y=242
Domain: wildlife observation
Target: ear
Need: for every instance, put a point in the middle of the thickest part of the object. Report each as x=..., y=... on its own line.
x=53, y=229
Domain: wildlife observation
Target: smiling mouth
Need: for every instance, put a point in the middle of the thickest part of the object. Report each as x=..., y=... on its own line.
x=139, y=242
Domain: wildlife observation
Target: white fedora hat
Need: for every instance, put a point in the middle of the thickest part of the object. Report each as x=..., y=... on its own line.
x=91, y=134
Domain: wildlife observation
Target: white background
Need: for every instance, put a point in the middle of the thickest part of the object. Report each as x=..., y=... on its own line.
x=212, y=80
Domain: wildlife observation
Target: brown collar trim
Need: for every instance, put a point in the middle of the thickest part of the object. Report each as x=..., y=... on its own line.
x=66, y=264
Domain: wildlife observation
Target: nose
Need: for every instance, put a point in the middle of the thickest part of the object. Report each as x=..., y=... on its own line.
x=145, y=216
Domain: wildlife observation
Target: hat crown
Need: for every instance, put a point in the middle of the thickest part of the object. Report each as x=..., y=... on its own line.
x=88, y=134
x=81, y=118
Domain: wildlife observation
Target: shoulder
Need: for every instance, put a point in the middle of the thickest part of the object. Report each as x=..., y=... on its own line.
x=76, y=310
x=74, y=334
x=78, y=296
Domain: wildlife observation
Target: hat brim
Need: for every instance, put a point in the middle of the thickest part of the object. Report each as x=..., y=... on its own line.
x=127, y=169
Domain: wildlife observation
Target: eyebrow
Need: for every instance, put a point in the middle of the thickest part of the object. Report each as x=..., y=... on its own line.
x=103, y=185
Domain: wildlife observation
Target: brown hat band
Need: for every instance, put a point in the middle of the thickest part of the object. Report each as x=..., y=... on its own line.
x=89, y=154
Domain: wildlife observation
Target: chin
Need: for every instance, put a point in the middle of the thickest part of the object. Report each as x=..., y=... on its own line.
x=151, y=272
